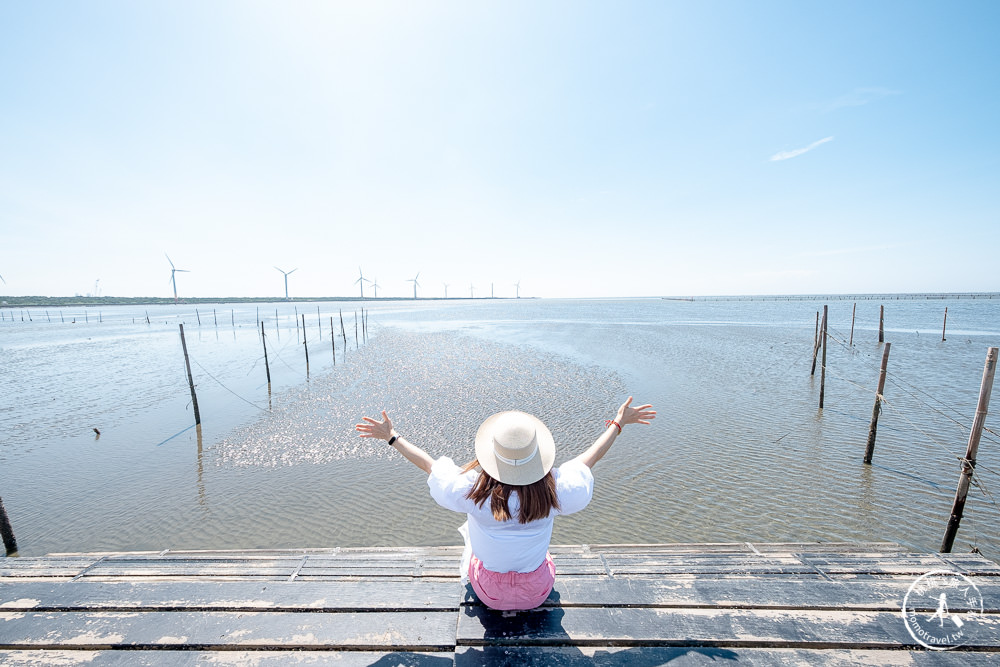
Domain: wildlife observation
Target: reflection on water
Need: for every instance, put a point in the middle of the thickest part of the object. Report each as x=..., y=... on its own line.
x=740, y=450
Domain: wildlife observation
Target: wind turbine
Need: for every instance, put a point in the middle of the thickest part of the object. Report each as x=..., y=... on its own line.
x=173, y=279
x=445, y=290
x=375, y=287
x=415, y=284
x=286, y=280
x=472, y=291
x=361, y=279
x=517, y=287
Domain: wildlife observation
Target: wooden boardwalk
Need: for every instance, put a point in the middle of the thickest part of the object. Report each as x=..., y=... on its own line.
x=696, y=604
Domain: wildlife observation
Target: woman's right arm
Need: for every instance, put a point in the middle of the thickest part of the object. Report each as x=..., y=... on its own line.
x=626, y=415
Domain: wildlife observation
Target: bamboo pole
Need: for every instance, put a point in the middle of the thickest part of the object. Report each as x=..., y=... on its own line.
x=945, y=324
x=304, y=344
x=877, y=410
x=854, y=311
x=187, y=364
x=343, y=333
x=6, y=532
x=333, y=342
x=267, y=366
x=822, y=371
x=198, y=315
x=216, y=318
x=319, y=323
x=297, y=324
x=969, y=462
x=881, y=324
x=815, y=345
x=357, y=344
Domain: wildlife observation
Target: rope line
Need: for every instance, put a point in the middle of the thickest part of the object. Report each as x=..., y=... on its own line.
x=221, y=384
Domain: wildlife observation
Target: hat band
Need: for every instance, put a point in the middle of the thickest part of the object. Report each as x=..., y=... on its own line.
x=516, y=462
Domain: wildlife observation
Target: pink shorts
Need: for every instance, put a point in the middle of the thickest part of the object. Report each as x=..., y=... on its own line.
x=512, y=590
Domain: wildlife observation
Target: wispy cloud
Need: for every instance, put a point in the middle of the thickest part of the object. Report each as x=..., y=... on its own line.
x=787, y=155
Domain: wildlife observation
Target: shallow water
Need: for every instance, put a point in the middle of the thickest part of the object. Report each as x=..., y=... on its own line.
x=739, y=451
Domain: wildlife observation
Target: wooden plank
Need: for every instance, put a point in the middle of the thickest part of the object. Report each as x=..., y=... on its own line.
x=429, y=631
x=230, y=596
x=751, y=628
x=745, y=593
x=686, y=656
x=167, y=658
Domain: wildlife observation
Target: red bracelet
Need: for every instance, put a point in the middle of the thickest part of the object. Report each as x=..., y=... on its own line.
x=609, y=422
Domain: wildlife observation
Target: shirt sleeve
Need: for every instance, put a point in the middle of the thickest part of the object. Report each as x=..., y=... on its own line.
x=574, y=486
x=448, y=485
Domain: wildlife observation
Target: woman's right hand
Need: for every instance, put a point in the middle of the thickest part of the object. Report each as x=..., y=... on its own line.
x=638, y=415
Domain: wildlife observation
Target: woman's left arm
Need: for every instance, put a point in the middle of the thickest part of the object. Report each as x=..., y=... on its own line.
x=383, y=430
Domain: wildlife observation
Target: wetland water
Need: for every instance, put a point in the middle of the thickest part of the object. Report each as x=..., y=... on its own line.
x=739, y=450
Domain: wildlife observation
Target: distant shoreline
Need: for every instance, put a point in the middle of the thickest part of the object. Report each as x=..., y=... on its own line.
x=53, y=301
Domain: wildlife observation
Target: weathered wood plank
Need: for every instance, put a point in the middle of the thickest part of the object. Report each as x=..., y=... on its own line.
x=744, y=593
x=230, y=596
x=168, y=658
x=685, y=656
x=762, y=628
x=96, y=630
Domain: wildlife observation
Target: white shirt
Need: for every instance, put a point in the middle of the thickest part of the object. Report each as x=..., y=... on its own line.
x=508, y=546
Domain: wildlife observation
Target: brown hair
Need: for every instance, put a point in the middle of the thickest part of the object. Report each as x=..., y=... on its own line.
x=537, y=499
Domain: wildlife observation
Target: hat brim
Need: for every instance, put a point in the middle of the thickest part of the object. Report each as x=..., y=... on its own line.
x=520, y=475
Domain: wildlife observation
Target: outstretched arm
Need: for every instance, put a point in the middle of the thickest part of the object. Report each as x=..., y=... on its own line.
x=626, y=415
x=383, y=430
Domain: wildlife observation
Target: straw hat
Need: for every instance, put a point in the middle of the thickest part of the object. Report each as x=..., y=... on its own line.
x=515, y=448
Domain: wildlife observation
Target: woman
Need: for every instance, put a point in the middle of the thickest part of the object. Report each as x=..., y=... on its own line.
x=507, y=539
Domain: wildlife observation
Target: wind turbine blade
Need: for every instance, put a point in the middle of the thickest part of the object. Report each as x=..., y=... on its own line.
x=4, y=281
x=294, y=270
x=279, y=269
x=169, y=260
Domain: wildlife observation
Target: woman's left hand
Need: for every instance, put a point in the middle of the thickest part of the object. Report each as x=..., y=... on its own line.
x=375, y=429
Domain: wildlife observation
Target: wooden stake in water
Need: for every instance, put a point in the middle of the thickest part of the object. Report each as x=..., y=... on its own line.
x=854, y=310
x=187, y=364
x=881, y=324
x=815, y=345
x=198, y=315
x=945, y=325
x=822, y=372
x=319, y=323
x=333, y=342
x=304, y=344
x=877, y=410
x=357, y=345
x=969, y=462
x=6, y=532
x=297, y=324
x=343, y=333
x=267, y=367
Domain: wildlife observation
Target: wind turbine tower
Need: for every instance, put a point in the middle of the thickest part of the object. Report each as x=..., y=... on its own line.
x=445, y=290
x=472, y=291
x=517, y=288
x=361, y=280
x=415, y=284
x=287, y=273
x=375, y=287
x=173, y=277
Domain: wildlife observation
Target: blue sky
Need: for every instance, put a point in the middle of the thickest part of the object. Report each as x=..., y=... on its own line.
x=581, y=148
